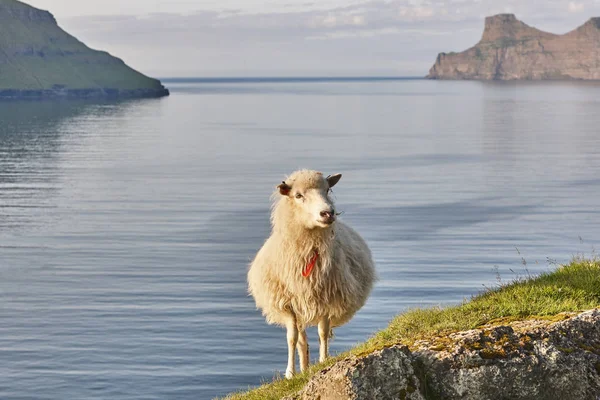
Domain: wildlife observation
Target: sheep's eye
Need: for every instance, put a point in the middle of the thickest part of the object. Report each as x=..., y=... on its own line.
x=299, y=196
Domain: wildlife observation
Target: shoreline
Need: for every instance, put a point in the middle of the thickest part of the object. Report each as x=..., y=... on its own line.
x=97, y=93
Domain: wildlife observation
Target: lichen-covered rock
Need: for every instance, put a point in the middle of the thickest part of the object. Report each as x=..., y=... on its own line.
x=537, y=359
x=384, y=374
x=512, y=50
x=529, y=360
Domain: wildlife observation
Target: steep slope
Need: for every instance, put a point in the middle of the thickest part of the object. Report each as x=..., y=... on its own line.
x=39, y=59
x=522, y=340
x=533, y=359
x=512, y=50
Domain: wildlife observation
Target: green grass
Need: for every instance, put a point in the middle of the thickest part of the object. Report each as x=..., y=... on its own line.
x=570, y=288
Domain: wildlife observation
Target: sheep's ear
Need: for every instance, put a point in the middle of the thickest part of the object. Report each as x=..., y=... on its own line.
x=333, y=179
x=284, y=188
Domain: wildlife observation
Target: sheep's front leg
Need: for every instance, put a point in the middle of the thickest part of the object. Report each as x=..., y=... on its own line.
x=303, y=350
x=292, y=341
x=324, y=330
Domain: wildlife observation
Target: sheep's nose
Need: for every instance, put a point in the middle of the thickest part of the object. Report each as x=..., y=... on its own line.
x=327, y=214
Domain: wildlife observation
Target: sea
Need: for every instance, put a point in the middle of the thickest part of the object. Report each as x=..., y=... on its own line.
x=127, y=228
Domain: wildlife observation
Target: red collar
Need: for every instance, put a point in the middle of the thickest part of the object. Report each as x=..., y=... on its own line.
x=311, y=264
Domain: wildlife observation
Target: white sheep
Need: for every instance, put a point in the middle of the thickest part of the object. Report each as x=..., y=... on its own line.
x=312, y=270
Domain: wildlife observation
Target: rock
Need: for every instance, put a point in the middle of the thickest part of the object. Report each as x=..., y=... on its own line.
x=40, y=60
x=511, y=50
x=524, y=360
x=384, y=374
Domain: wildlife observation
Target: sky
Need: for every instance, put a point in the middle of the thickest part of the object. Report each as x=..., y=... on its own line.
x=185, y=38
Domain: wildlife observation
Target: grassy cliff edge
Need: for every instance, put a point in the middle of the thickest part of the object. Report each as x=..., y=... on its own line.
x=551, y=296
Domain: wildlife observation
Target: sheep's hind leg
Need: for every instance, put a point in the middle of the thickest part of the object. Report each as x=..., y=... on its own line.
x=324, y=330
x=303, y=352
x=292, y=341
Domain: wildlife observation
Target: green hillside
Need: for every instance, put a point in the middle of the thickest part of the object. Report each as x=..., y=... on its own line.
x=36, y=54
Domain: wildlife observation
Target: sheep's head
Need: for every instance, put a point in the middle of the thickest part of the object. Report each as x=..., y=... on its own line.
x=307, y=193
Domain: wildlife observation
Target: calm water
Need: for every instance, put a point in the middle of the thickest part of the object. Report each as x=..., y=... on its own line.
x=126, y=229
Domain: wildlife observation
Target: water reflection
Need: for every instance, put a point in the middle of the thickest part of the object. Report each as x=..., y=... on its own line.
x=33, y=135
x=30, y=142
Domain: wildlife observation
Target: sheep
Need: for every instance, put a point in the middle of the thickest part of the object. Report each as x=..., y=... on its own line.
x=312, y=270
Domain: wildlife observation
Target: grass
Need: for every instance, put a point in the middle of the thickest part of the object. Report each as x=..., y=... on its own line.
x=570, y=288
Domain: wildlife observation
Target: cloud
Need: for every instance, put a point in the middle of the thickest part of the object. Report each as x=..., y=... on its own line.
x=369, y=35
x=575, y=7
x=381, y=32
x=335, y=21
x=416, y=12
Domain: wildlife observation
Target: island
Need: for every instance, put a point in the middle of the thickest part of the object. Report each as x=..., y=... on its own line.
x=40, y=60
x=513, y=50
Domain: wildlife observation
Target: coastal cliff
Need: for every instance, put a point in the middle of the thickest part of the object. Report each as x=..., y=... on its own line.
x=512, y=50
x=534, y=359
x=38, y=59
x=524, y=340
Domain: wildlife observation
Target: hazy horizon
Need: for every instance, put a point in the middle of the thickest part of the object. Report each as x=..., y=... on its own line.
x=208, y=38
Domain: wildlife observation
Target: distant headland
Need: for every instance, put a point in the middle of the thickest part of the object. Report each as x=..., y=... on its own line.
x=513, y=50
x=40, y=60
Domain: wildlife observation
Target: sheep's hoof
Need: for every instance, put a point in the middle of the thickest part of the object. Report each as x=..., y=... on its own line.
x=289, y=374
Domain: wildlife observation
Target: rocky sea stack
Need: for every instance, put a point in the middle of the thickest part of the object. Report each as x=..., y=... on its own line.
x=513, y=50
x=40, y=60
